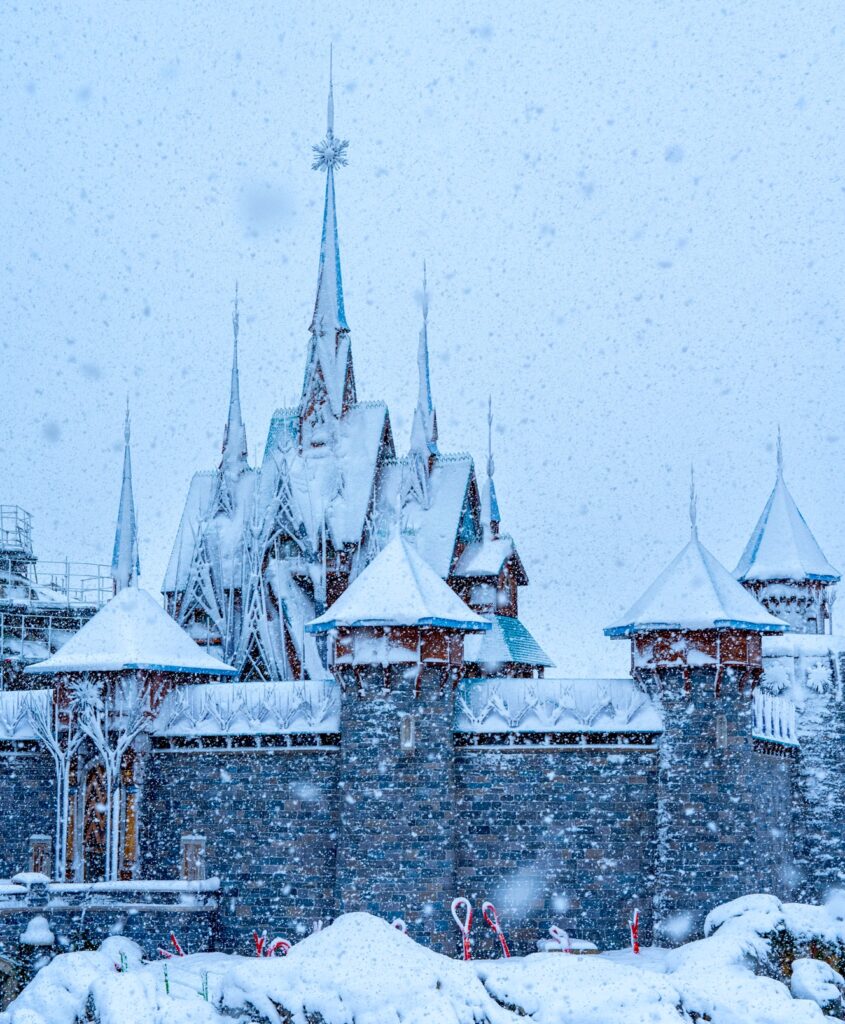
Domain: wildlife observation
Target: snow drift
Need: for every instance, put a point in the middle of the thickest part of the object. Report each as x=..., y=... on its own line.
x=360, y=970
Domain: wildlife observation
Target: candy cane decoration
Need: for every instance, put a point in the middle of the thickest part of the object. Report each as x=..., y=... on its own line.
x=465, y=925
x=263, y=948
x=175, y=943
x=560, y=937
x=491, y=916
x=399, y=925
x=635, y=931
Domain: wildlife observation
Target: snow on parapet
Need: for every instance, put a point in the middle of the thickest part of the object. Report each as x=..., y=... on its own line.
x=782, y=547
x=696, y=592
x=242, y=709
x=399, y=588
x=131, y=632
x=554, y=705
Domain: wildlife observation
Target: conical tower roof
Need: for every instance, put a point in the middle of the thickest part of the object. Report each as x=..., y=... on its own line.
x=132, y=632
x=695, y=591
x=399, y=588
x=125, y=563
x=782, y=546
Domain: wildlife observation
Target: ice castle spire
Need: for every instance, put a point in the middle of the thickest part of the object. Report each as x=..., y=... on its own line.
x=329, y=374
x=125, y=564
x=490, y=514
x=234, y=459
x=424, y=427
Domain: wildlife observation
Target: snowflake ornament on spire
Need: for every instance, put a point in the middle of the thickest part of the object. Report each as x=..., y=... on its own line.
x=331, y=152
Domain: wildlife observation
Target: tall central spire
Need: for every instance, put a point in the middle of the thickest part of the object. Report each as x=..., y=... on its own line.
x=329, y=372
x=235, y=456
x=125, y=564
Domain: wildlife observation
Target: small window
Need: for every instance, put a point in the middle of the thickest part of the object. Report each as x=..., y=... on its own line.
x=721, y=731
x=193, y=858
x=407, y=734
x=40, y=859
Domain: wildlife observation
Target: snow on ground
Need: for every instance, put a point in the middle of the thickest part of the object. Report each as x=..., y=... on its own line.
x=360, y=970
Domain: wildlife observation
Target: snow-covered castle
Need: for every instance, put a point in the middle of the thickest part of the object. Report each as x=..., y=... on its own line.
x=339, y=707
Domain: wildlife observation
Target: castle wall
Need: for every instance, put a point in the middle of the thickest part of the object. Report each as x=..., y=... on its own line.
x=28, y=806
x=270, y=820
x=819, y=796
x=723, y=804
x=396, y=854
x=561, y=836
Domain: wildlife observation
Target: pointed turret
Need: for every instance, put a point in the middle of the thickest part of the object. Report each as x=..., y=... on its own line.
x=234, y=459
x=490, y=515
x=783, y=565
x=329, y=375
x=423, y=448
x=234, y=455
x=125, y=564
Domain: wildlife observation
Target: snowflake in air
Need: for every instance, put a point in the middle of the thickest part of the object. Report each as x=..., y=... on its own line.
x=331, y=152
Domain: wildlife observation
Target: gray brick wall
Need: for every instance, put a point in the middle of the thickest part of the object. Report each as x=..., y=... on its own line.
x=396, y=854
x=270, y=821
x=723, y=811
x=564, y=837
x=27, y=807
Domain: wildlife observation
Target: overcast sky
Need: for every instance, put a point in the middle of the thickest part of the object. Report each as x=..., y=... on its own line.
x=633, y=221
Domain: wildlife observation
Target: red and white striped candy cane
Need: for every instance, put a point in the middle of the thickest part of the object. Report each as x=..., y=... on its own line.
x=458, y=903
x=491, y=916
x=278, y=945
x=635, y=931
x=561, y=938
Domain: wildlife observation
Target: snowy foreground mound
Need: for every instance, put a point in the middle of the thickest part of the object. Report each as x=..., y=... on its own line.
x=362, y=971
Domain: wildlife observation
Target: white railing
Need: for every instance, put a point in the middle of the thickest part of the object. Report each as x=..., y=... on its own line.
x=774, y=719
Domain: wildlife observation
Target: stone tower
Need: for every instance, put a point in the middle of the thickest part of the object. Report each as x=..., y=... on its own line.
x=723, y=803
x=396, y=648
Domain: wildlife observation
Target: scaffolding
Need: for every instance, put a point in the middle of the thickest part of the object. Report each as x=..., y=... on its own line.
x=42, y=604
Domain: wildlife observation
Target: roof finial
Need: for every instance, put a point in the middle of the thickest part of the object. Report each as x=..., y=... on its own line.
x=693, y=504
x=780, y=453
x=125, y=565
x=127, y=423
x=490, y=466
x=425, y=295
x=331, y=152
x=330, y=113
x=236, y=318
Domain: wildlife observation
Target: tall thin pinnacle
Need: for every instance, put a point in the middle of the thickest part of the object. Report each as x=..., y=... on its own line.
x=234, y=458
x=693, y=503
x=780, y=453
x=126, y=567
x=330, y=111
x=490, y=466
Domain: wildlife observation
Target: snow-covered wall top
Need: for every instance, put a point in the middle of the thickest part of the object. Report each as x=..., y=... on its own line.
x=554, y=705
x=239, y=709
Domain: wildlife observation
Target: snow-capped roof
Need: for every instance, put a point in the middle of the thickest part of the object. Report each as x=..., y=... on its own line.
x=487, y=557
x=782, y=546
x=132, y=631
x=507, y=641
x=399, y=588
x=696, y=592
x=226, y=530
x=554, y=705
x=435, y=529
x=335, y=481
